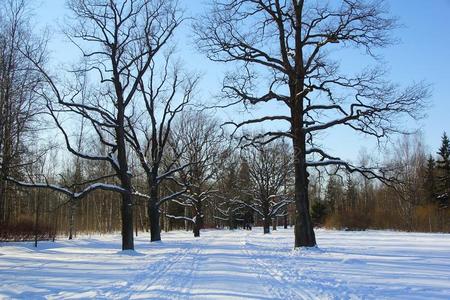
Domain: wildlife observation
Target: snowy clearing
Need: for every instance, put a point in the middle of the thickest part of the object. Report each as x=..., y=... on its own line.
x=232, y=265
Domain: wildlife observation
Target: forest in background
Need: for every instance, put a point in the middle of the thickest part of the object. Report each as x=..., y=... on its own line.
x=118, y=143
x=339, y=201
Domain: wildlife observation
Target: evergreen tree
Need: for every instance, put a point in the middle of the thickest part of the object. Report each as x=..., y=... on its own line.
x=333, y=195
x=430, y=181
x=319, y=212
x=351, y=193
x=443, y=167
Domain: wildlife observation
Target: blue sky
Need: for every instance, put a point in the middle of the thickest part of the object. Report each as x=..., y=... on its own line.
x=422, y=54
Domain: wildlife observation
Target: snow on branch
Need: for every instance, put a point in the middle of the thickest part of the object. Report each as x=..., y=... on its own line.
x=171, y=197
x=66, y=191
x=180, y=218
x=255, y=209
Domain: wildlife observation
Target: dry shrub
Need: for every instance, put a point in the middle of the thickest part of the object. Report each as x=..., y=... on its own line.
x=24, y=230
x=349, y=220
x=432, y=218
x=425, y=218
x=387, y=219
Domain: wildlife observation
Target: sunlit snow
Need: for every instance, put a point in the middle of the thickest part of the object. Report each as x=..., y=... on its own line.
x=231, y=265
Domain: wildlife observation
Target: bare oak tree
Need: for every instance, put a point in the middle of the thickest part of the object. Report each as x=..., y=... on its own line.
x=283, y=49
x=118, y=41
x=269, y=167
x=166, y=92
x=199, y=139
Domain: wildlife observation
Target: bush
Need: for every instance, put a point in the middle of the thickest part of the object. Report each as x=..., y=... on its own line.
x=25, y=230
x=349, y=220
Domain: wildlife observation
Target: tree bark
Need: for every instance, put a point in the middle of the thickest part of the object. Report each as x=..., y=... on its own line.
x=125, y=179
x=304, y=231
x=198, y=224
x=196, y=229
x=153, y=214
x=267, y=221
x=127, y=222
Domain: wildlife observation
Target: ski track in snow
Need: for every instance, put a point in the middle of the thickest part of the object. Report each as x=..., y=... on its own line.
x=269, y=272
x=231, y=265
x=166, y=283
x=144, y=280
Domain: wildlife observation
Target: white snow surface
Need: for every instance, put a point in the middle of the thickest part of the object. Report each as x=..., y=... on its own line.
x=226, y=264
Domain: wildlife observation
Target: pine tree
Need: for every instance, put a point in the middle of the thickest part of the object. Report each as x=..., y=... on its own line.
x=319, y=212
x=430, y=180
x=351, y=193
x=333, y=195
x=443, y=167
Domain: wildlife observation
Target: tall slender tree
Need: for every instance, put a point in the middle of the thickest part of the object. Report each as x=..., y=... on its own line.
x=19, y=105
x=443, y=167
x=430, y=180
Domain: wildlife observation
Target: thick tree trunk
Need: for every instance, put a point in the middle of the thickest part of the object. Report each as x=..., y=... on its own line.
x=124, y=174
x=304, y=231
x=198, y=224
x=267, y=221
x=127, y=207
x=155, y=229
x=153, y=215
x=231, y=221
x=196, y=229
x=274, y=222
x=127, y=222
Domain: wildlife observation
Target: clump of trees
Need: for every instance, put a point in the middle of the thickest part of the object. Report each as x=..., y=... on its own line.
x=418, y=202
x=269, y=170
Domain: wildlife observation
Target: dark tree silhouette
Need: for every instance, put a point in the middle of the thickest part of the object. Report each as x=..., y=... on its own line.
x=118, y=41
x=269, y=168
x=202, y=145
x=283, y=50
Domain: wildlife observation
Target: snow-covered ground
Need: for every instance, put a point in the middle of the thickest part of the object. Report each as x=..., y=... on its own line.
x=232, y=265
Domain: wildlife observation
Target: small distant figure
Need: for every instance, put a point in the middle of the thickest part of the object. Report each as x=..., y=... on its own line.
x=248, y=220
